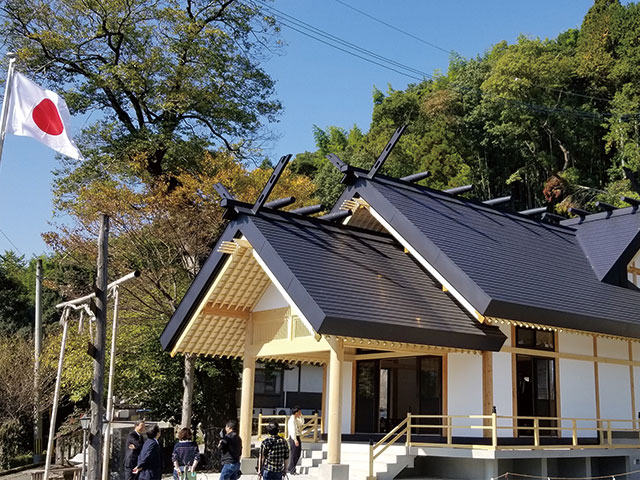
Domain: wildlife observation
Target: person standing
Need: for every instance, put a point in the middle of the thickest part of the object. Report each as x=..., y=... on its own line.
x=274, y=453
x=186, y=454
x=150, y=460
x=231, y=447
x=294, y=427
x=135, y=440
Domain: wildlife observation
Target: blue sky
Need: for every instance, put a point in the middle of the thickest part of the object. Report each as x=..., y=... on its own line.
x=315, y=83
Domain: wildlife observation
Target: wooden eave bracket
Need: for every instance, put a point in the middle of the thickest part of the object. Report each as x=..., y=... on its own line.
x=235, y=246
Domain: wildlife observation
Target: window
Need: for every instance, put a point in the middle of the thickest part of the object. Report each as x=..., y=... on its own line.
x=537, y=339
x=268, y=381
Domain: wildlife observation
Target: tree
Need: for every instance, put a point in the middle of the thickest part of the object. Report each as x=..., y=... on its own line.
x=169, y=79
x=167, y=236
x=17, y=395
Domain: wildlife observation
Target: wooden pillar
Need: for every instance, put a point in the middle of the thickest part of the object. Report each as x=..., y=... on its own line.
x=246, y=397
x=487, y=389
x=334, y=423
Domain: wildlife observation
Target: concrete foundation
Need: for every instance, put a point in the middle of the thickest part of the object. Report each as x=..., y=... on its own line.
x=329, y=471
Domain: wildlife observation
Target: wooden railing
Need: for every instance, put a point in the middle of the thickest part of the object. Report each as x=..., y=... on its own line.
x=529, y=435
x=311, y=430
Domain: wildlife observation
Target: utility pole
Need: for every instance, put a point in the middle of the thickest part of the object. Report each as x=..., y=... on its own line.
x=97, y=352
x=37, y=336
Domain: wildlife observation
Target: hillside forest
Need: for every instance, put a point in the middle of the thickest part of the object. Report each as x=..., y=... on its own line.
x=184, y=103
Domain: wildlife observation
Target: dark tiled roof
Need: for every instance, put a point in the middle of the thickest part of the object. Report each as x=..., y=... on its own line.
x=506, y=265
x=609, y=243
x=368, y=287
x=347, y=282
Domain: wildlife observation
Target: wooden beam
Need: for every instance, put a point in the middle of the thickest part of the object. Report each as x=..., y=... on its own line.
x=286, y=347
x=570, y=356
x=242, y=314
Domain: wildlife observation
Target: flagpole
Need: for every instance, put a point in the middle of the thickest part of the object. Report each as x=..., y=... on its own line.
x=5, y=100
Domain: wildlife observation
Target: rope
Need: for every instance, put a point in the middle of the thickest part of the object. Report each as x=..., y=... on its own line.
x=546, y=477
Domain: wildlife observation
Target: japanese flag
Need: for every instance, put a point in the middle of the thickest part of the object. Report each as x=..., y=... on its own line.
x=41, y=114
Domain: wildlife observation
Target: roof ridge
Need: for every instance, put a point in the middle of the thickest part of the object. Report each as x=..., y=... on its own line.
x=471, y=203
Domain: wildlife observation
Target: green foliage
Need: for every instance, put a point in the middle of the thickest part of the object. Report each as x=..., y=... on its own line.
x=170, y=79
x=550, y=121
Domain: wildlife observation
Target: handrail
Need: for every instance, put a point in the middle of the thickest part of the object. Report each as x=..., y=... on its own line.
x=448, y=423
x=310, y=429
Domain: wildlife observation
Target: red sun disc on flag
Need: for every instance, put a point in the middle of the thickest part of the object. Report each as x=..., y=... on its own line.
x=47, y=118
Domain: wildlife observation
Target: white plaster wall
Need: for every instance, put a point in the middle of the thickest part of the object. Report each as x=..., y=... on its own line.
x=635, y=350
x=465, y=390
x=615, y=393
x=577, y=393
x=611, y=348
x=503, y=391
x=291, y=380
x=347, y=374
x=573, y=343
x=270, y=299
x=347, y=384
x=311, y=379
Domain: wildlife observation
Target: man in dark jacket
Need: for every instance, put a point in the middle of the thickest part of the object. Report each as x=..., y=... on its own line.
x=231, y=447
x=150, y=461
x=134, y=446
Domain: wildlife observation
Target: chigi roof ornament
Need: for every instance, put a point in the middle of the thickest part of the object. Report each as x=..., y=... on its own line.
x=631, y=201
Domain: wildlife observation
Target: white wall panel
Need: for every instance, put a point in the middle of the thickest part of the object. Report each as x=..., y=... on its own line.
x=615, y=392
x=465, y=390
x=270, y=299
x=503, y=390
x=291, y=380
x=611, y=348
x=577, y=393
x=347, y=374
x=574, y=343
x=311, y=379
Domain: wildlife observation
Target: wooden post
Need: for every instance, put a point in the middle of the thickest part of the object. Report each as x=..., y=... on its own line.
x=494, y=430
x=409, y=429
x=97, y=351
x=334, y=427
x=259, y=426
x=609, y=439
x=449, y=430
x=487, y=389
x=246, y=395
x=315, y=428
x=536, y=432
x=574, y=432
x=246, y=402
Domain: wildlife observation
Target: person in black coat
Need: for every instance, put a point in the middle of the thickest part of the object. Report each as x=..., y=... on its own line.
x=134, y=446
x=150, y=460
x=231, y=447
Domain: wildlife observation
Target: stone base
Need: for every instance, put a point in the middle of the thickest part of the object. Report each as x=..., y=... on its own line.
x=248, y=466
x=327, y=471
